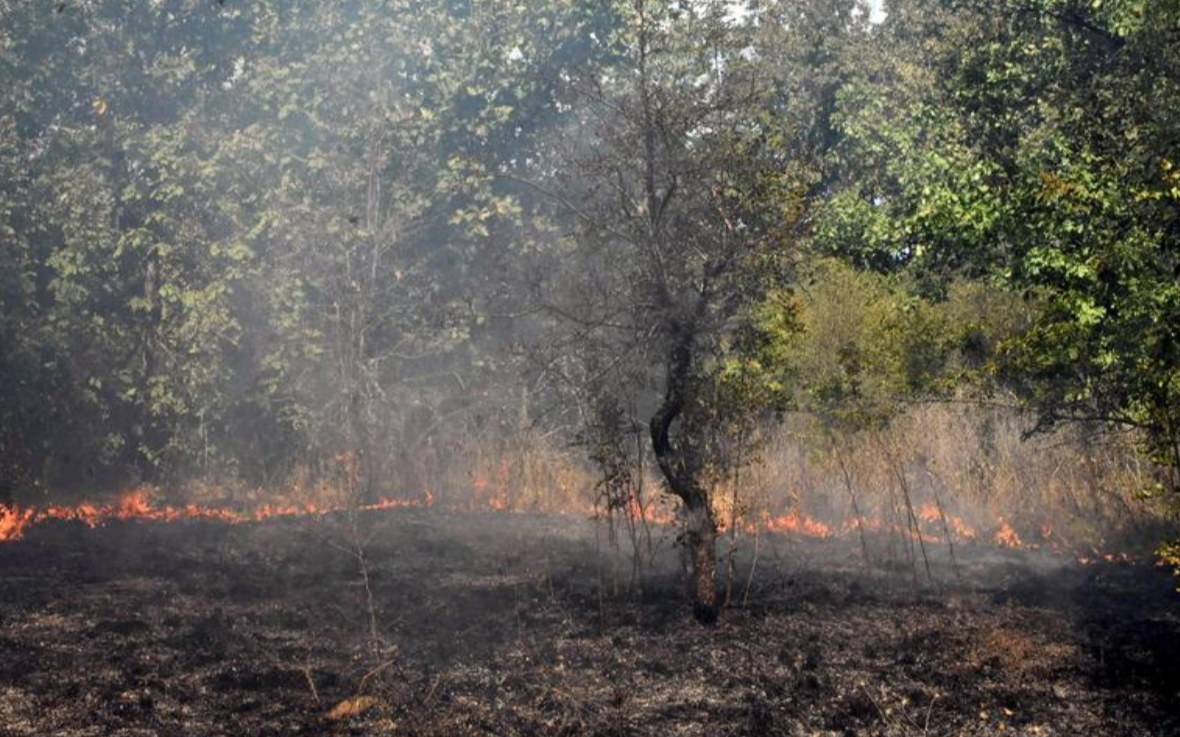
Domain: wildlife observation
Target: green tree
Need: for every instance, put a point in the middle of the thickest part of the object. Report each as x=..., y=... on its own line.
x=122, y=315
x=245, y=235
x=1096, y=216
x=1034, y=148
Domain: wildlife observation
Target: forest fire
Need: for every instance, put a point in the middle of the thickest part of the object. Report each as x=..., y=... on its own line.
x=458, y=369
x=933, y=515
x=13, y=523
x=190, y=635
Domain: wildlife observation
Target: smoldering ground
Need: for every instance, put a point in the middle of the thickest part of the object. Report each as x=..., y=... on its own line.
x=514, y=624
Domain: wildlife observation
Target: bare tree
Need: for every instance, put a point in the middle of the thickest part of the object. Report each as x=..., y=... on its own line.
x=666, y=252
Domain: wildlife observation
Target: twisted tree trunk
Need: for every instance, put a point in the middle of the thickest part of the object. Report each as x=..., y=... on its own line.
x=680, y=466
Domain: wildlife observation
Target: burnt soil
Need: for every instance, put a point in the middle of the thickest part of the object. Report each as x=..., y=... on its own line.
x=519, y=625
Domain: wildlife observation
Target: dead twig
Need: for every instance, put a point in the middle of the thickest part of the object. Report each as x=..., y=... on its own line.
x=360, y=689
x=315, y=692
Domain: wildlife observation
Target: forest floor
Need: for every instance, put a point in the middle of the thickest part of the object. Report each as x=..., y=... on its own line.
x=510, y=625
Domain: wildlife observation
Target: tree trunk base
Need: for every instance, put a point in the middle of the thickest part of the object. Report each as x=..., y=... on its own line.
x=701, y=541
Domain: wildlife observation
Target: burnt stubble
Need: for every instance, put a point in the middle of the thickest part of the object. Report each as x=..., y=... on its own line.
x=523, y=625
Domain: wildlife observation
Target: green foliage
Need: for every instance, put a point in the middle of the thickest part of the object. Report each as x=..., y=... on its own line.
x=862, y=346
x=1095, y=220
x=238, y=235
x=1035, y=146
x=911, y=188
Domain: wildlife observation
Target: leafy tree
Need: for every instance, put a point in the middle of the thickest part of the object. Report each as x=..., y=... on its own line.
x=1093, y=179
x=1035, y=149
x=244, y=235
x=121, y=316
x=862, y=346
x=910, y=187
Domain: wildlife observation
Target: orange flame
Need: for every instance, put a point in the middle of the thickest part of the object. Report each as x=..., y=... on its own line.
x=651, y=512
x=13, y=522
x=798, y=524
x=1006, y=537
x=137, y=506
x=491, y=492
x=930, y=513
x=963, y=530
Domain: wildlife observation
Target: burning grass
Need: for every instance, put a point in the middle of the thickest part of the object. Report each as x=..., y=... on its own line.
x=937, y=476
x=137, y=506
x=932, y=524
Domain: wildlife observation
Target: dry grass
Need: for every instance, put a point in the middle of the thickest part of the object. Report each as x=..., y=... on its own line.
x=1068, y=489
x=957, y=471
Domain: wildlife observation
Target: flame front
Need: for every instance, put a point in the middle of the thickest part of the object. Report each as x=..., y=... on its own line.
x=932, y=521
x=137, y=506
x=797, y=524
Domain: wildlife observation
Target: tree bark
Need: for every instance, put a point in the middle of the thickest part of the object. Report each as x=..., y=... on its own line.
x=681, y=471
x=700, y=537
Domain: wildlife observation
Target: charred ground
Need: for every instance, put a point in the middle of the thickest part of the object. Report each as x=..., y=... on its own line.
x=510, y=625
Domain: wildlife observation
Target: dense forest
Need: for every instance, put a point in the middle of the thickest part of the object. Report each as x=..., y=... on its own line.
x=548, y=248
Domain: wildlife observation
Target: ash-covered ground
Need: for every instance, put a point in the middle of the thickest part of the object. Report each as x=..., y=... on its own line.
x=512, y=625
